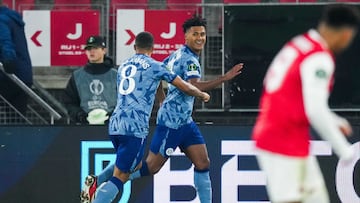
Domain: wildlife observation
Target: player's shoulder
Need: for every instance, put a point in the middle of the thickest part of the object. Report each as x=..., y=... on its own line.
x=154, y=62
x=188, y=52
x=183, y=52
x=189, y=55
x=309, y=42
x=319, y=59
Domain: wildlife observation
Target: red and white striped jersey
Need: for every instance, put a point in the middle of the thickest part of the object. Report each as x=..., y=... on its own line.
x=295, y=96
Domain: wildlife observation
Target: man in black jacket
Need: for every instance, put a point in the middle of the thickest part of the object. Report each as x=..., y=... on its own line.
x=91, y=90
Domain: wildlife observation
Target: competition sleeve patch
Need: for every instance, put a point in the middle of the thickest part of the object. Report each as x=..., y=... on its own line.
x=192, y=70
x=321, y=74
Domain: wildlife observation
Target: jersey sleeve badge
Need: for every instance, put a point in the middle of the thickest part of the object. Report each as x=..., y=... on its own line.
x=192, y=69
x=321, y=74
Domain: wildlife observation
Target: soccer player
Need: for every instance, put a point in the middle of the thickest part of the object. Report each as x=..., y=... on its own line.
x=175, y=126
x=138, y=80
x=295, y=96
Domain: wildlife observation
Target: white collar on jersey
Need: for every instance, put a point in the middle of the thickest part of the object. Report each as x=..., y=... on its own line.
x=315, y=35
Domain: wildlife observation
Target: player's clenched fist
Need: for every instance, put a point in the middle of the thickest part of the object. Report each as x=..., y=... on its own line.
x=205, y=97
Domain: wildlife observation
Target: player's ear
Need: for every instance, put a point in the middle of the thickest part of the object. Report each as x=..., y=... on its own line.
x=134, y=47
x=346, y=36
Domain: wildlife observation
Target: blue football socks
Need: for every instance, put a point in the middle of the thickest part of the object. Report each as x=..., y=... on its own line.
x=107, y=192
x=106, y=174
x=203, y=185
x=143, y=171
x=135, y=175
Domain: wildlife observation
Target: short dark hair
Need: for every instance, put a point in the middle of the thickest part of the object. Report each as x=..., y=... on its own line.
x=340, y=15
x=144, y=40
x=194, y=21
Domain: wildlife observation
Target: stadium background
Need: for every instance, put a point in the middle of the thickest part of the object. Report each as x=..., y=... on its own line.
x=43, y=163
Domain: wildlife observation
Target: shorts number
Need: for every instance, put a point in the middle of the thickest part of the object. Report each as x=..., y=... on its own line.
x=129, y=78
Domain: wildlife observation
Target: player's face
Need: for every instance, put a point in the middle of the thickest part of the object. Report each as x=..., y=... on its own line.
x=345, y=38
x=195, y=38
x=95, y=54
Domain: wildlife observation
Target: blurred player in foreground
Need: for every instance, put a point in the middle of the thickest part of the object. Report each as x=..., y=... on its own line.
x=138, y=80
x=296, y=91
x=175, y=126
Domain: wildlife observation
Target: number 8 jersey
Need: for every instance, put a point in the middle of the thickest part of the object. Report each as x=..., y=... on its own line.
x=137, y=80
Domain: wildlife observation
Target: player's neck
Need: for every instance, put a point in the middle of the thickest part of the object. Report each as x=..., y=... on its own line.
x=329, y=37
x=197, y=52
x=144, y=53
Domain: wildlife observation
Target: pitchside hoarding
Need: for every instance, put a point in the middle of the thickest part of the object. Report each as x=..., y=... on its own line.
x=48, y=164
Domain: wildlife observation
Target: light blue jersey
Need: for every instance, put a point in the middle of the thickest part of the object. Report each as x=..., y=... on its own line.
x=138, y=79
x=177, y=108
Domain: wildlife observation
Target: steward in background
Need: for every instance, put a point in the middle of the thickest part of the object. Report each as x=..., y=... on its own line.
x=91, y=90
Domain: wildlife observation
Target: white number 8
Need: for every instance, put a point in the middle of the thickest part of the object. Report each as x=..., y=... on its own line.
x=129, y=78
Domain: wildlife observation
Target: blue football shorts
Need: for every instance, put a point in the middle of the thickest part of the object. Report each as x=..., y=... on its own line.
x=129, y=151
x=165, y=140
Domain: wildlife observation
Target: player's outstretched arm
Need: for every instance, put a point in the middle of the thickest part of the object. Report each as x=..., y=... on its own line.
x=190, y=89
x=211, y=84
x=316, y=74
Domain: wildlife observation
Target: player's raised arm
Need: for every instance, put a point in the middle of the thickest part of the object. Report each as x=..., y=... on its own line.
x=211, y=84
x=190, y=89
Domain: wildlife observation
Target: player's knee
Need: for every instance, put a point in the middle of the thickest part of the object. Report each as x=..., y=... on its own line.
x=202, y=164
x=155, y=162
x=120, y=174
x=154, y=169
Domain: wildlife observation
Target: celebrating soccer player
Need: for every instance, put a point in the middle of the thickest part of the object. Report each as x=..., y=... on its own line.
x=175, y=126
x=138, y=79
